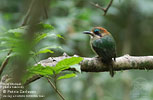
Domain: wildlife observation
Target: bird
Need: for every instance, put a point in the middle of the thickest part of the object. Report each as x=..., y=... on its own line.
x=104, y=45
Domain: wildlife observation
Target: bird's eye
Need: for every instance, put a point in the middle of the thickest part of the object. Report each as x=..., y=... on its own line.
x=96, y=31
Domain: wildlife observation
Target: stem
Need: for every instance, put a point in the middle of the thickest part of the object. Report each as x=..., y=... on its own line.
x=55, y=80
x=104, y=9
x=35, y=59
x=53, y=86
x=5, y=62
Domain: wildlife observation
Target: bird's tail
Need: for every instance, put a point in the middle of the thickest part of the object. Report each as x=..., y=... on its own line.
x=109, y=64
x=111, y=71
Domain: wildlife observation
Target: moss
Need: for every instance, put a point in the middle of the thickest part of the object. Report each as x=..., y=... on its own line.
x=86, y=63
x=145, y=64
x=133, y=64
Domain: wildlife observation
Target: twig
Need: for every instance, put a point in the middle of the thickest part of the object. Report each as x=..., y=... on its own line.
x=5, y=62
x=55, y=80
x=53, y=86
x=97, y=6
x=32, y=79
x=103, y=9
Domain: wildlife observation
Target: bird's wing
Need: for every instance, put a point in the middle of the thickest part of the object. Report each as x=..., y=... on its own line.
x=105, y=48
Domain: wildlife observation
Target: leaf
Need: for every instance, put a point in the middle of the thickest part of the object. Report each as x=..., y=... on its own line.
x=17, y=32
x=48, y=26
x=67, y=76
x=39, y=37
x=13, y=54
x=58, y=35
x=4, y=50
x=53, y=46
x=76, y=67
x=44, y=51
x=51, y=35
x=27, y=76
x=41, y=70
x=32, y=53
x=66, y=63
x=47, y=49
x=41, y=27
x=61, y=65
x=11, y=38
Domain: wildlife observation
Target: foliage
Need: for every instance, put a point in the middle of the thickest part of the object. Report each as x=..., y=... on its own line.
x=49, y=71
x=12, y=39
x=129, y=21
x=54, y=72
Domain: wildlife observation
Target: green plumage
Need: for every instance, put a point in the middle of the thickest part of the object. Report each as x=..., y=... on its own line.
x=105, y=49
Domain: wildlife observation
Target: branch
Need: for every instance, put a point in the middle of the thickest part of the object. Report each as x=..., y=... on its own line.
x=5, y=62
x=54, y=87
x=125, y=62
x=103, y=9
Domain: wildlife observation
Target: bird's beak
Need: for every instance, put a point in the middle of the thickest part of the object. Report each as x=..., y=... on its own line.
x=87, y=32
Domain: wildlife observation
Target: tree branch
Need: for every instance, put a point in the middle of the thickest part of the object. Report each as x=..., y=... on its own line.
x=125, y=62
x=103, y=9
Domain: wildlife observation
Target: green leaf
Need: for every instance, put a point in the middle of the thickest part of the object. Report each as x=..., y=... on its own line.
x=39, y=37
x=76, y=67
x=42, y=70
x=53, y=47
x=44, y=51
x=4, y=50
x=47, y=49
x=27, y=76
x=32, y=53
x=66, y=63
x=17, y=32
x=67, y=76
x=48, y=26
x=58, y=35
x=61, y=65
x=13, y=54
x=41, y=27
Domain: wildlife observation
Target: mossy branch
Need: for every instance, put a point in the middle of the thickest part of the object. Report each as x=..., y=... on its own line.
x=125, y=62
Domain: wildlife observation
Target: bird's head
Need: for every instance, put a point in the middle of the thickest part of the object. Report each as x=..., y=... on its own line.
x=97, y=32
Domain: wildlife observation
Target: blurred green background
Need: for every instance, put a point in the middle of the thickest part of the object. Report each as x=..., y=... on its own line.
x=129, y=21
